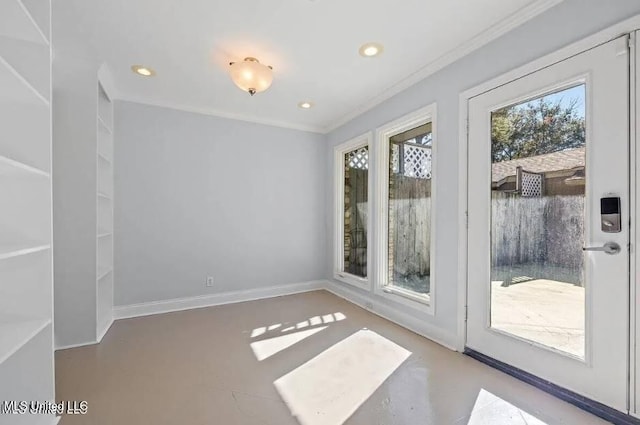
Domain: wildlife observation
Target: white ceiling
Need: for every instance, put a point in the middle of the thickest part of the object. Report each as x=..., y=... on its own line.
x=311, y=44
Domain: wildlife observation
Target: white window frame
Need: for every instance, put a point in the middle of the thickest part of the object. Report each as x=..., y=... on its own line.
x=338, y=267
x=383, y=134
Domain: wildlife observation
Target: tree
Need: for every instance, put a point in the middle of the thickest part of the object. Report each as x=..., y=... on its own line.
x=535, y=128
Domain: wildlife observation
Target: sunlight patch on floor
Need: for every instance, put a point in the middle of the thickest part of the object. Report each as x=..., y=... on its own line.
x=329, y=388
x=491, y=409
x=268, y=347
x=312, y=321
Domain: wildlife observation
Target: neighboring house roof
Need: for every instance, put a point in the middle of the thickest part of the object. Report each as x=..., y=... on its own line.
x=556, y=161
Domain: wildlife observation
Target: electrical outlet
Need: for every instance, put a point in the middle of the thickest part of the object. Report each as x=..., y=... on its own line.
x=209, y=281
x=369, y=305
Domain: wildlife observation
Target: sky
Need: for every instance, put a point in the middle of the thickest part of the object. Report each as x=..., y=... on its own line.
x=565, y=97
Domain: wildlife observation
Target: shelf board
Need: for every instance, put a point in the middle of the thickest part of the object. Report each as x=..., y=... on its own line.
x=103, y=272
x=104, y=158
x=103, y=196
x=104, y=125
x=15, y=88
x=9, y=166
x=17, y=22
x=11, y=250
x=16, y=331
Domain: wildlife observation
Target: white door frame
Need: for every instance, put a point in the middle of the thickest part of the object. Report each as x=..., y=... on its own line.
x=627, y=26
x=634, y=237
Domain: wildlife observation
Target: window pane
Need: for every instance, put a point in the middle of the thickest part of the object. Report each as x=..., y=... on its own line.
x=410, y=210
x=356, y=188
x=537, y=212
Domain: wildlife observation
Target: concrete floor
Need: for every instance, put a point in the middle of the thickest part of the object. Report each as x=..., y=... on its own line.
x=309, y=359
x=541, y=310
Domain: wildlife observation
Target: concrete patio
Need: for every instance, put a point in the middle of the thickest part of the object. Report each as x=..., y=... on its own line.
x=548, y=312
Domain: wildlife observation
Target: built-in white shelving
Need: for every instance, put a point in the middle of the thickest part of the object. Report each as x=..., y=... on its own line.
x=22, y=374
x=18, y=89
x=104, y=242
x=104, y=158
x=26, y=287
x=16, y=249
x=16, y=331
x=103, y=271
x=18, y=21
x=103, y=125
x=9, y=166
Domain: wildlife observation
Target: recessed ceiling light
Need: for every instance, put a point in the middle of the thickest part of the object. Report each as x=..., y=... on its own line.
x=370, y=50
x=143, y=70
x=305, y=105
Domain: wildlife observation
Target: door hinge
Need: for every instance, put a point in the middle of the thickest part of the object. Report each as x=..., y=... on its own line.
x=466, y=219
x=466, y=313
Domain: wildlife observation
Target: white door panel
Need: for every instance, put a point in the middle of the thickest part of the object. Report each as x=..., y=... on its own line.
x=533, y=303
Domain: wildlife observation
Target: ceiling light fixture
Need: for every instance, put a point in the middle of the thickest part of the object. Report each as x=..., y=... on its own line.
x=143, y=70
x=251, y=76
x=370, y=50
x=305, y=105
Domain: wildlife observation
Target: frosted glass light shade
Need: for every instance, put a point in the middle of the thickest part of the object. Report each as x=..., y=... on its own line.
x=251, y=76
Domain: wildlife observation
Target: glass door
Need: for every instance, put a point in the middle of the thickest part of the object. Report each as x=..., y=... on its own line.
x=548, y=223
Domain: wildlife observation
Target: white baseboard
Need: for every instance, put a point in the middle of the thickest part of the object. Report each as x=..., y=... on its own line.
x=395, y=315
x=78, y=345
x=100, y=335
x=178, y=304
x=104, y=330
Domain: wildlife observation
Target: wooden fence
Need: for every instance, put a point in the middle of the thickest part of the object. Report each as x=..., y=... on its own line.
x=409, y=226
x=538, y=232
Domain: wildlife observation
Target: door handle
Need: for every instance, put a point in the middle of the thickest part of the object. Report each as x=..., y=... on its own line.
x=610, y=248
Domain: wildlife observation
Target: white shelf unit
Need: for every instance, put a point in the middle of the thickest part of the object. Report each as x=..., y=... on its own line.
x=104, y=210
x=26, y=279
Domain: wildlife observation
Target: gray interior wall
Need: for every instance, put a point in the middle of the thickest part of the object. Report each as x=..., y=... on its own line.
x=567, y=22
x=199, y=196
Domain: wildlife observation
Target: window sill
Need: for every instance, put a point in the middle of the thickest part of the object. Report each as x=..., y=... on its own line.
x=408, y=298
x=358, y=282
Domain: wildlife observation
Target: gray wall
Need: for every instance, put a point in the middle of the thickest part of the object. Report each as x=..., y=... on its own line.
x=570, y=21
x=197, y=195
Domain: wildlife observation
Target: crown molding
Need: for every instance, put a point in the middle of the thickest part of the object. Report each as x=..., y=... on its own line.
x=485, y=37
x=221, y=114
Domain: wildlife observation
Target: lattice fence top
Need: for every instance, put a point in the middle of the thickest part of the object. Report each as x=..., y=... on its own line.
x=416, y=161
x=425, y=140
x=358, y=158
x=531, y=184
